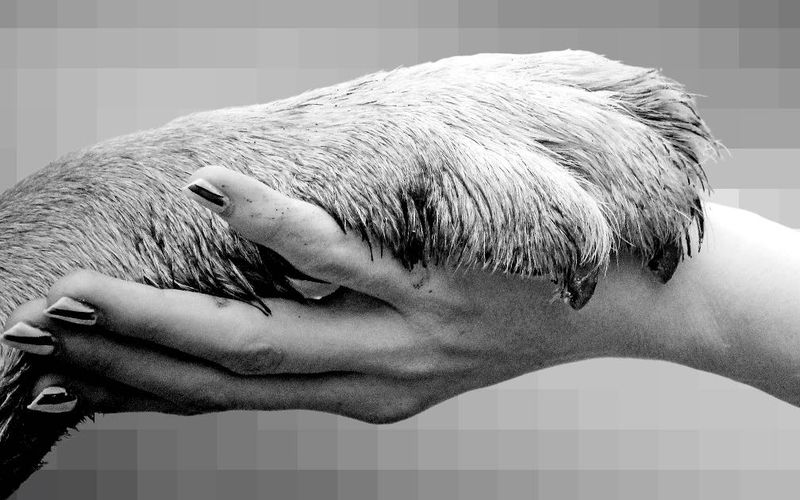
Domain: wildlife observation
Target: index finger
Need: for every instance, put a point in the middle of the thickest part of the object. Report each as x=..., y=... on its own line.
x=302, y=233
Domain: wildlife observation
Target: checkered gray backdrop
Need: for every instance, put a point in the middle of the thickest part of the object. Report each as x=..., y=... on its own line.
x=76, y=72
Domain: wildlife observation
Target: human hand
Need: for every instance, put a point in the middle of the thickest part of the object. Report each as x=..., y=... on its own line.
x=384, y=345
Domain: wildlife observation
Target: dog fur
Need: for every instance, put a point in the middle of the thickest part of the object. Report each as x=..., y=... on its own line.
x=546, y=164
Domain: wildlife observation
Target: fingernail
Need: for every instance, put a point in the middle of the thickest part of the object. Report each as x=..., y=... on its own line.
x=53, y=400
x=205, y=193
x=26, y=338
x=72, y=311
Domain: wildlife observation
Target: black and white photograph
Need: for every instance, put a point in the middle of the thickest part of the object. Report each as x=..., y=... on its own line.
x=376, y=249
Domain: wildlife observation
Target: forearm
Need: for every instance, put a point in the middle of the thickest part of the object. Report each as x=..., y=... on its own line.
x=754, y=282
x=732, y=309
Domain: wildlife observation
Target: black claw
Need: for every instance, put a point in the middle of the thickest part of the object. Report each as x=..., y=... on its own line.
x=580, y=288
x=665, y=261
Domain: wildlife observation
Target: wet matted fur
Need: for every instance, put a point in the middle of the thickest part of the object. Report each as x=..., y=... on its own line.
x=544, y=164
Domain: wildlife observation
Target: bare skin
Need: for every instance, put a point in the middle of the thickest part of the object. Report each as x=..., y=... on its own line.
x=389, y=343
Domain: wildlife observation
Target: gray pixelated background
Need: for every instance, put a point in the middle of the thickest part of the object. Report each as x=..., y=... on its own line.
x=76, y=72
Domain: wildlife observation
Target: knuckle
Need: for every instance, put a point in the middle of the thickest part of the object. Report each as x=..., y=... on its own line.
x=412, y=370
x=414, y=358
x=425, y=365
x=76, y=284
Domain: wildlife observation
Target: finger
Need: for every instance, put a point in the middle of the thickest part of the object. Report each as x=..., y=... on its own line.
x=52, y=396
x=183, y=381
x=356, y=333
x=81, y=347
x=62, y=393
x=16, y=333
x=191, y=384
x=193, y=387
x=302, y=233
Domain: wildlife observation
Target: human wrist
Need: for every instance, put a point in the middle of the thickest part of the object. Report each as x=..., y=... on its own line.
x=730, y=309
x=634, y=315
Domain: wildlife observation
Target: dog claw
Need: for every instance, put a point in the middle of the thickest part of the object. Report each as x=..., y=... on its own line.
x=665, y=261
x=580, y=289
